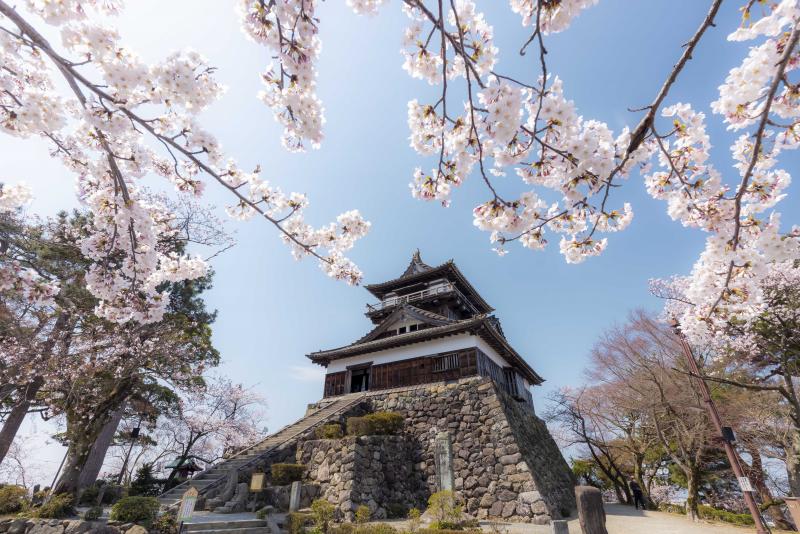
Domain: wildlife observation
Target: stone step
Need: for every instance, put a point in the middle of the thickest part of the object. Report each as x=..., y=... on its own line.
x=224, y=525
x=236, y=530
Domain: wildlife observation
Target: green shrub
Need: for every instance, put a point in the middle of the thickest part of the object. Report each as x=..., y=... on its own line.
x=93, y=513
x=89, y=495
x=12, y=499
x=297, y=521
x=363, y=514
x=145, y=483
x=135, y=510
x=322, y=512
x=445, y=510
x=329, y=431
x=375, y=424
x=283, y=474
x=166, y=523
x=714, y=514
x=58, y=507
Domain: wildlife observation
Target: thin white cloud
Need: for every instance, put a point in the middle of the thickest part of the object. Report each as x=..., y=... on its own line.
x=304, y=373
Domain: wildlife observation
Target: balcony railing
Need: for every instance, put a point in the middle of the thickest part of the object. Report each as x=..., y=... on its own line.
x=411, y=297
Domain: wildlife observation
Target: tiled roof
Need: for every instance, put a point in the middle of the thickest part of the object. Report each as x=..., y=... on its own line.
x=425, y=316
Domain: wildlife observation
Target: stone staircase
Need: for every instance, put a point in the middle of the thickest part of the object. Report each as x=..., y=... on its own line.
x=217, y=474
x=241, y=526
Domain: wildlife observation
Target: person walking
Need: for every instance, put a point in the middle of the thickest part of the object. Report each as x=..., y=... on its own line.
x=638, y=496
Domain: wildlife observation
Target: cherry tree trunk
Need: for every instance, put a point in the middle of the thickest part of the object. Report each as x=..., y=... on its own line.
x=99, y=450
x=81, y=441
x=18, y=412
x=70, y=479
x=793, y=464
x=591, y=514
x=692, y=481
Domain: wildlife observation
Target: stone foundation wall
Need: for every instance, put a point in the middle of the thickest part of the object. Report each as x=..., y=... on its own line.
x=376, y=471
x=505, y=463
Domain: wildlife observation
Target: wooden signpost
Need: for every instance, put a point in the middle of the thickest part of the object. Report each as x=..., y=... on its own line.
x=186, y=510
x=257, y=482
x=256, y=486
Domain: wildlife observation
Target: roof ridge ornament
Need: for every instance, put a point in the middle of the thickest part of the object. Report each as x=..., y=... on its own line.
x=416, y=265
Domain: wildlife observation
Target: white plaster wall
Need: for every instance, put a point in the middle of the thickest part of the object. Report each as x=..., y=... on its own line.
x=451, y=343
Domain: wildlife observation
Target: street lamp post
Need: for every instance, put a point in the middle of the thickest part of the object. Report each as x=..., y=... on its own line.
x=725, y=433
x=134, y=437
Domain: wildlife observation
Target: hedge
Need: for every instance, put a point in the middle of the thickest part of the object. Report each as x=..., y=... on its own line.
x=329, y=431
x=375, y=424
x=283, y=474
x=707, y=512
x=710, y=513
x=135, y=510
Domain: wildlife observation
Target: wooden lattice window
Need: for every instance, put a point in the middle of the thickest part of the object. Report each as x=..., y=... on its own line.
x=445, y=363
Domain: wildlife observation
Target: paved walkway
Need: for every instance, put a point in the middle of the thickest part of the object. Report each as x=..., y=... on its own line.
x=619, y=520
x=622, y=519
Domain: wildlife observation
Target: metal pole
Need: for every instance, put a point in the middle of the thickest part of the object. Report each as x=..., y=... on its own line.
x=733, y=459
x=55, y=478
x=134, y=436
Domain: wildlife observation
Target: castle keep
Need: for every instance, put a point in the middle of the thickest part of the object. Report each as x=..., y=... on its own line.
x=431, y=325
x=439, y=358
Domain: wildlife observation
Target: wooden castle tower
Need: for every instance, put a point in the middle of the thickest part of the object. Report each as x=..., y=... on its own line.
x=431, y=325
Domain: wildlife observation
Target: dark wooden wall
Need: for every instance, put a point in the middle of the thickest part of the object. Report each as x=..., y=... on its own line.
x=423, y=370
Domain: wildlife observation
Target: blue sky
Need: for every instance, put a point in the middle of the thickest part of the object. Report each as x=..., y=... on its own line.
x=273, y=310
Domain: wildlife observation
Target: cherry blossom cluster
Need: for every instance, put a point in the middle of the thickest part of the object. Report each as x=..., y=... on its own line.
x=535, y=132
x=124, y=120
x=289, y=30
x=507, y=124
x=745, y=243
x=555, y=16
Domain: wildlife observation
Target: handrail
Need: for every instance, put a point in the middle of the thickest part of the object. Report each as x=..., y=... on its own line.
x=416, y=295
x=255, y=458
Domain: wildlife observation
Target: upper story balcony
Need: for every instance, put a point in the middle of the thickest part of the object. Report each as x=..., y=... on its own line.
x=439, y=289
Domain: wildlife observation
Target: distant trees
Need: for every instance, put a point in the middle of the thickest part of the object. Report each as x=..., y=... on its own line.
x=641, y=418
x=64, y=360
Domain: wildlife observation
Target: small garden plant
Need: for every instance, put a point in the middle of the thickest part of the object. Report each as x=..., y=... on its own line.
x=322, y=514
x=283, y=474
x=363, y=514
x=58, y=507
x=445, y=510
x=414, y=520
x=143, y=510
x=13, y=499
x=329, y=431
x=375, y=424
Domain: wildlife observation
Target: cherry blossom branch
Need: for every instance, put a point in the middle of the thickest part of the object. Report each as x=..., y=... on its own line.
x=638, y=135
x=70, y=74
x=759, y=136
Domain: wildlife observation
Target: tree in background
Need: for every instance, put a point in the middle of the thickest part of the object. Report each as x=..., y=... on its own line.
x=214, y=422
x=36, y=335
x=75, y=364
